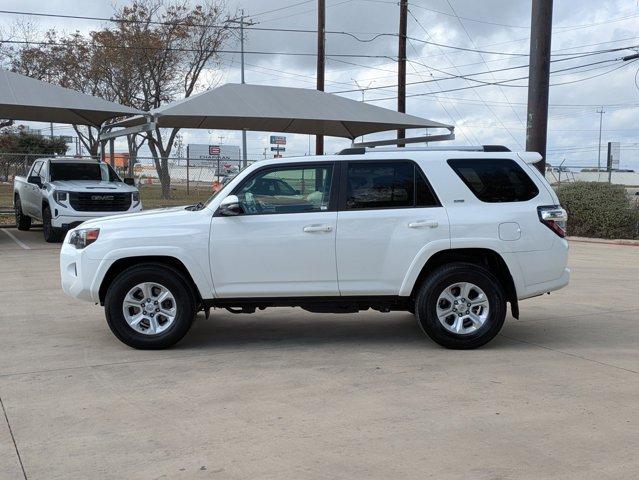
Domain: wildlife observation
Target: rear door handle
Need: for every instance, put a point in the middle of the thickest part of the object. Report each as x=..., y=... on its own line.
x=317, y=228
x=424, y=224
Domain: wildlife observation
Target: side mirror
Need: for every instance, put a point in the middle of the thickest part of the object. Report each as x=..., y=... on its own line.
x=230, y=207
x=36, y=180
x=129, y=181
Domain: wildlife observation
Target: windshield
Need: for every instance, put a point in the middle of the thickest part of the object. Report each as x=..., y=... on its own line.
x=83, y=171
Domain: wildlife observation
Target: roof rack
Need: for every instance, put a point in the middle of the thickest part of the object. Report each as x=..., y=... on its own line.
x=406, y=141
x=358, y=150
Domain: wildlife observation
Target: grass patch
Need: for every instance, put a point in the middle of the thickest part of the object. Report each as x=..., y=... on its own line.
x=151, y=196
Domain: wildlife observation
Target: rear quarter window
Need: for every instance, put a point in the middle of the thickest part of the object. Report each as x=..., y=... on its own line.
x=495, y=180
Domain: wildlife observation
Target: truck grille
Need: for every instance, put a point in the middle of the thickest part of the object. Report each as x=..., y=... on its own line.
x=100, y=201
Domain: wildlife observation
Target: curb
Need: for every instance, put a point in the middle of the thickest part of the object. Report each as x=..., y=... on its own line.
x=605, y=241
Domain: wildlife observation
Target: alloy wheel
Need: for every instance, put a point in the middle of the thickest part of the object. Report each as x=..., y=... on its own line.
x=462, y=308
x=149, y=308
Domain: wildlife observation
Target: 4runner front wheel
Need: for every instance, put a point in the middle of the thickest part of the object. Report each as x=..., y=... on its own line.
x=149, y=306
x=461, y=306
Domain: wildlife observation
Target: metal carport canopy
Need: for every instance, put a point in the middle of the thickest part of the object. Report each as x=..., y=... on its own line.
x=25, y=98
x=280, y=109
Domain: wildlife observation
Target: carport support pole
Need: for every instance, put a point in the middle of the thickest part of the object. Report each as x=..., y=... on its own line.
x=539, y=80
x=112, y=152
x=321, y=43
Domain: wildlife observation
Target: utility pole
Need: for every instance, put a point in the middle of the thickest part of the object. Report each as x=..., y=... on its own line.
x=401, y=63
x=601, y=111
x=321, y=43
x=242, y=23
x=539, y=79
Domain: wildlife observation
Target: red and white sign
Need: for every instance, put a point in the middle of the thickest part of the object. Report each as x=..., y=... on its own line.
x=214, y=149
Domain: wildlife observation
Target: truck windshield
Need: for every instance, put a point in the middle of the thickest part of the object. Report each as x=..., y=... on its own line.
x=83, y=171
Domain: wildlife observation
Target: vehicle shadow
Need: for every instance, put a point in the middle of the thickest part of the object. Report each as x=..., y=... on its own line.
x=295, y=327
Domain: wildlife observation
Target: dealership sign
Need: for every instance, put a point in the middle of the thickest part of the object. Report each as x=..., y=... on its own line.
x=278, y=140
x=200, y=153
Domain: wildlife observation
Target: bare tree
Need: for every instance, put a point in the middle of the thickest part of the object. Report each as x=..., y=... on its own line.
x=169, y=46
x=157, y=51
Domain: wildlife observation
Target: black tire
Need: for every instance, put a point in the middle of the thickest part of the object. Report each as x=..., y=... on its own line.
x=437, y=282
x=168, y=277
x=51, y=233
x=23, y=222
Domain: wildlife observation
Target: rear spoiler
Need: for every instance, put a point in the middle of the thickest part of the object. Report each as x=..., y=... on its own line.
x=530, y=157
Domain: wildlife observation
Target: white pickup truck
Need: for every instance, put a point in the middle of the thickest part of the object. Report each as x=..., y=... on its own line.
x=64, y=192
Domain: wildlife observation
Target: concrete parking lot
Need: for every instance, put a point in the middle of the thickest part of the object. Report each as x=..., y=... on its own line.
x=288, y=394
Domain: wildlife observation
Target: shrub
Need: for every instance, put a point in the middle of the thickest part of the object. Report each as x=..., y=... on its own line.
x=599, y=210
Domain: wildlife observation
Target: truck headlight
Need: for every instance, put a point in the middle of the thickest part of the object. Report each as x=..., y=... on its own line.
x=84, y=237
x=60, y=197
x=135, y=197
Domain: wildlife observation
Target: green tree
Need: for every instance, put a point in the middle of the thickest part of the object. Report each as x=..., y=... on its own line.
x=18, y=146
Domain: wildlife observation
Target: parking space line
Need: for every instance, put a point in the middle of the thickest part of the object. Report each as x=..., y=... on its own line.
x=13, y=438
x=15, y=239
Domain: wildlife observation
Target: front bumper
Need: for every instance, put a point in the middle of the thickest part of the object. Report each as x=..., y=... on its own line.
x=67, y=218
x=79, y=273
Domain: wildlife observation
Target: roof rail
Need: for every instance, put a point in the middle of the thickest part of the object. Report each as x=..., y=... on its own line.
x=357, y=150
x=406, y=141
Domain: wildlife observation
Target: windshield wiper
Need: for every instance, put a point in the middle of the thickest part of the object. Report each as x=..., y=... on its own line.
x=196, y=207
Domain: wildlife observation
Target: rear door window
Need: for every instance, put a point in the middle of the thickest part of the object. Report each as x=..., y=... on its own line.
x=379, y=184
x=495, y=180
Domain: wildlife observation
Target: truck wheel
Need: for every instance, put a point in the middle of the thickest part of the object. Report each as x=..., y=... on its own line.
x=461, y=306
x=51, y=234
x=23, y=222
x=150, y=306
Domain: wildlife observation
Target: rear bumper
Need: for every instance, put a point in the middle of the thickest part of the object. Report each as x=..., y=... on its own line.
x=546, y=287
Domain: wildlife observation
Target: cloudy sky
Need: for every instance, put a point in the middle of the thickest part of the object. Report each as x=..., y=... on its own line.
x=486, y=115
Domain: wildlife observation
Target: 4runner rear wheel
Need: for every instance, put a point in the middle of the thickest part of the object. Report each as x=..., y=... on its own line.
x=149, y=306
x=461, y=306
x=23, y=222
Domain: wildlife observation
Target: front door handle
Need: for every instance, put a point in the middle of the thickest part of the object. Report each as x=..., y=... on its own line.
x=317, y=228
x=424, y=224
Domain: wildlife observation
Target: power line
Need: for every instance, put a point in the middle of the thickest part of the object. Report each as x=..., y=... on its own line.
x=505, y=82
x=175, y=49
x=225, y=25
x=482, y=57
x=282, y=8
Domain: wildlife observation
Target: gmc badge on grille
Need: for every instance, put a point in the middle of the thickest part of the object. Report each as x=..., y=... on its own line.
x=102, y=197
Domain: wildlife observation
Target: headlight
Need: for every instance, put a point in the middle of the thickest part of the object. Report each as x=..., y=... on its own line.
x=60, y=197
x=135, y=196
x=84, y=237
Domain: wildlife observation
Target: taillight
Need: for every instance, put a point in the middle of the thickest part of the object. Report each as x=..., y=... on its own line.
x=554, y=217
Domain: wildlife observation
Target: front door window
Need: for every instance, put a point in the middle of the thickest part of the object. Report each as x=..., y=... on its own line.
x=287, y=190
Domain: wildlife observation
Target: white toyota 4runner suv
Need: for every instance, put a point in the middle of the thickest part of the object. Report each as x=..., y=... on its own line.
x=449, y=235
